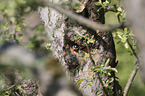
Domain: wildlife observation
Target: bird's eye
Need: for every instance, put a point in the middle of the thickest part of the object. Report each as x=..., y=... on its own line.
x=75, y=47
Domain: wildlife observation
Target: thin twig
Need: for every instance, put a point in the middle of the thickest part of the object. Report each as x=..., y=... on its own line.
x=133, y=73
x=131, y=78
x=84, y=21
x=133, y=51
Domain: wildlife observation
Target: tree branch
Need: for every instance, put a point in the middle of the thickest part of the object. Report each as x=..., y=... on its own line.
x=133, y=73
x=84, y=21
x=133, y=51
x=131, y=78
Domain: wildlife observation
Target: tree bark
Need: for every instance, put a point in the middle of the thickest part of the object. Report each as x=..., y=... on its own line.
x=70, y=51
x=102, y=49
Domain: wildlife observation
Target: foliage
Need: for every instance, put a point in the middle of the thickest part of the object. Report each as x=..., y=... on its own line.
x=11, y=27
x=12, y=11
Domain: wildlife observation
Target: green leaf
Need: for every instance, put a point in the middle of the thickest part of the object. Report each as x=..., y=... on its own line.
x=77, y=37
x=23, y=24
x=106, y=3
x=17, y=28
x=119, y=9
x=126, y=45
x=90, y=41
x=125, y=29
x=111, y=80
x=97, y=3
x=20, y=36
x=20, y=88
x=90, y=83
x=98, y=69
x=97, y=66
x=6, y=32
x=80, y=80
x=114, y=69
x=123, y=40
x=79, y=7
x=107, y=61
x=110, y=69
x=90, y=69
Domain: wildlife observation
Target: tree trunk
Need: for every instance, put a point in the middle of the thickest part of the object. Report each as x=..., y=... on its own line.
x=70, y=51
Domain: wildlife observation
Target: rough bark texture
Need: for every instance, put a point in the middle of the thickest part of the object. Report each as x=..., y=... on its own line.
x=102, y=49
x=70, y=51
